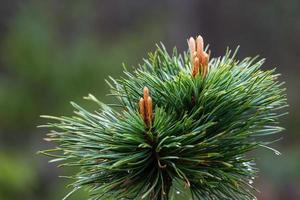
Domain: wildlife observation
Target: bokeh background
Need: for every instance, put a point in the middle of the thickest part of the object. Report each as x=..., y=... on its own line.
x=54, y=51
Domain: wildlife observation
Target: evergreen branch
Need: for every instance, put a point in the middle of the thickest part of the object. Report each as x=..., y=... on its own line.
x=206, y=116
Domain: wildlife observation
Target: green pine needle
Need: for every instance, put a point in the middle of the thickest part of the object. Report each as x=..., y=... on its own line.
x=197, y=142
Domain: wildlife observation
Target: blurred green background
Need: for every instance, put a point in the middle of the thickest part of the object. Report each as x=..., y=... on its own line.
x=54, y=51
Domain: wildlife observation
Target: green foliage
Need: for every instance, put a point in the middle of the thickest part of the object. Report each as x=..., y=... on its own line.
x=197, y=143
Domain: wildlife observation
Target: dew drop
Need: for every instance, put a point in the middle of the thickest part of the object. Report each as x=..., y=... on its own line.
x=250, y=181
x=277, y=153
x=177, y=192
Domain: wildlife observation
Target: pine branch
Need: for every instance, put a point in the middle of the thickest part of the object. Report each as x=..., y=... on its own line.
x=182, y=124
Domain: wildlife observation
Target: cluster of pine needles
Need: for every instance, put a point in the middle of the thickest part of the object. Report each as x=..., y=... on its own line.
x=182, y=123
